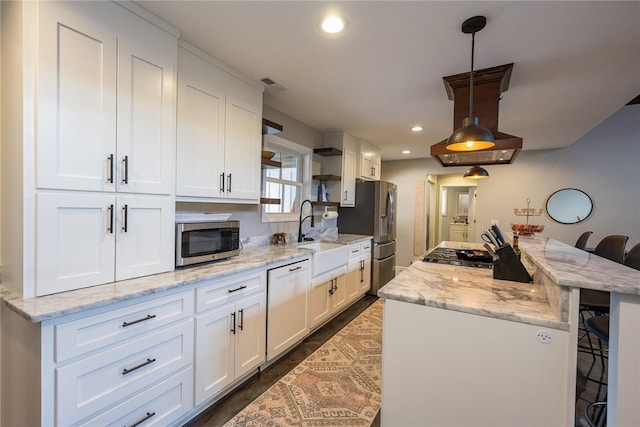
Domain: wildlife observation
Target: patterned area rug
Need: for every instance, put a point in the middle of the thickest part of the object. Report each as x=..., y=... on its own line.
x=337, y=385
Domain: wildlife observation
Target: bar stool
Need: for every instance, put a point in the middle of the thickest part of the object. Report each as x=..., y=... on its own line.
x=599, y=326
x=581, y=243
x=597, y=302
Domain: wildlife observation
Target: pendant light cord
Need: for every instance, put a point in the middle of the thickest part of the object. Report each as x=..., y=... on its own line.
x=473, y=42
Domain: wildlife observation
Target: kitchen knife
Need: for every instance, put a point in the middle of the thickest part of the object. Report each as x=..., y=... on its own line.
x=500, y=235
x=491, y=237
x=493, y=254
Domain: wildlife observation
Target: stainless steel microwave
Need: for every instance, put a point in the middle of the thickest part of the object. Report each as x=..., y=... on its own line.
x=198, y=242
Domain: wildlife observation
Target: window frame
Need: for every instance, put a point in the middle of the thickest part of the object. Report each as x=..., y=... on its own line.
x=305, y=192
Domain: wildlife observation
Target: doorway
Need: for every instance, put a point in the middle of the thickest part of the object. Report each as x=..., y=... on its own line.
x=452, y=208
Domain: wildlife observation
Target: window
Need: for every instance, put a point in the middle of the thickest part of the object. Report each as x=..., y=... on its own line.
x=289, y=183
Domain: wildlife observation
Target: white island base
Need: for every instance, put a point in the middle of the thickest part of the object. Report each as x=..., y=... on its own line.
x=449, y=368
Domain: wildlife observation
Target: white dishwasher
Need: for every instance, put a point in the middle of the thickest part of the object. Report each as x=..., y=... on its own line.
x=287, y=306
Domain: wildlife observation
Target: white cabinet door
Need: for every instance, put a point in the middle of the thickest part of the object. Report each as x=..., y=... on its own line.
x=76, y=101
x=349, y=164
x=352, y=282
x=200, y=143
x=250, y=333
x=214, y=361
x=146, y=107
x=339, y=297
x=145, y=235
x=242, y=148
x=75, y=241
x=319, y=302
x=458, y=233
x=365, y=277
x=287, y=306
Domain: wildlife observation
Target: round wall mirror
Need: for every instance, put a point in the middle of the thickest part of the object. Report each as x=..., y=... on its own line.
x=569, y=206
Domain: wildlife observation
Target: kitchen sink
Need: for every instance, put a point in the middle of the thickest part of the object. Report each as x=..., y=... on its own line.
x=327, y=256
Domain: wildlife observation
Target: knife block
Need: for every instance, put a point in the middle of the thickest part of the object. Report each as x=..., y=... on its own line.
x=509, y=266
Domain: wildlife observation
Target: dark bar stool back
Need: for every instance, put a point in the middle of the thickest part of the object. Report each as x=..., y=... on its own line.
x=581, y=243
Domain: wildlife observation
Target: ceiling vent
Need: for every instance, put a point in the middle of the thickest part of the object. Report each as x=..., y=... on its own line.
x=488, y=86
x=269, y=83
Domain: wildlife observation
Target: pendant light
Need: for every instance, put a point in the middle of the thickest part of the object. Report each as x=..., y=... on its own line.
x=476, y=172
x=471, y=136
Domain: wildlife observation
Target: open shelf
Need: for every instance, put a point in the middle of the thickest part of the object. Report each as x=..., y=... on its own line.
x=266, y=201
x=271, y=163
x=327, y=152
x=327, y=177
x=336, y=204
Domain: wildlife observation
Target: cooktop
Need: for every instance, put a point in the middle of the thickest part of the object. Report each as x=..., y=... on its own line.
x=462, y=257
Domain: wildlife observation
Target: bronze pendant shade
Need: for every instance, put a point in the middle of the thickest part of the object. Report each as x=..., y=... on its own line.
x=471, y=136
x=476, y=172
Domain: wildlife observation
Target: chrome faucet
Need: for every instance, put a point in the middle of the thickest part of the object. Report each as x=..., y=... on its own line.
x=300, y=235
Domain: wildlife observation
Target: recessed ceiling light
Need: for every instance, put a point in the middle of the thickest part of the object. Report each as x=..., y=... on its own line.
x=406, y=151
x=333, y=24
x=417, y=128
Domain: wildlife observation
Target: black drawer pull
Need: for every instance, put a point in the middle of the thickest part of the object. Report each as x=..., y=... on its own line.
x=237, y=289
x=146, y=417
x=133, y=322
x=295, y=268
x=126, y=371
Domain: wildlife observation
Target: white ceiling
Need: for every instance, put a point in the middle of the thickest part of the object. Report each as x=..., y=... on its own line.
x=575, y=63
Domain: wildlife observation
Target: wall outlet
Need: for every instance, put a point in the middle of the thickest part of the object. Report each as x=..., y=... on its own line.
x=543, y=336
x=495, y=222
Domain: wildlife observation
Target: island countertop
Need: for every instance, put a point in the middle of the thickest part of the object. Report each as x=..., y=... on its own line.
x=48, y=307
x=474, y=291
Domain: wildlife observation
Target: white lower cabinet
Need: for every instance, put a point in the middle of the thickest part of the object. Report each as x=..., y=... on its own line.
x=326, y=296
x=365, y=266
x=287, y=306
x=230, y=336
x=90, y=239
x=112, y=367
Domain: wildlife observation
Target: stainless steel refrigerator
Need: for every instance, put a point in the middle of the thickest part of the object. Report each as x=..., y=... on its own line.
x=374, y=214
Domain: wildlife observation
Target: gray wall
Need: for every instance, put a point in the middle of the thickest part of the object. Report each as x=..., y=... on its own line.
x=605, y=164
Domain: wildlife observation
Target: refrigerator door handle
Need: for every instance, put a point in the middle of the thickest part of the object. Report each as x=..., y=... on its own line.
x=391, y=207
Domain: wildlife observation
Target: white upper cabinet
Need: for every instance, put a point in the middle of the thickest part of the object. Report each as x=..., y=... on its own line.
x=219, y=132
x=76, y=100
x=90, y=55
x=369, y=161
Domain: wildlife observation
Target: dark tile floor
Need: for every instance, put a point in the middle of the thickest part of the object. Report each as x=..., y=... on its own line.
x=225, y=409
x=589, y=388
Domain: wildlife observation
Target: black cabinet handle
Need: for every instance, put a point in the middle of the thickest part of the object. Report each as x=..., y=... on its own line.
x=126, y=371
x=295, y=268
x=110, y=225
x=110, y=161
x=125, y=218
x=143, y=419
x=345, y=194
x=125, y=168
x=237, y=289
x=361, y=271
x=133, y=322
x=229, y=183
x=233, y=328
x=241, y=326
x=222, y=182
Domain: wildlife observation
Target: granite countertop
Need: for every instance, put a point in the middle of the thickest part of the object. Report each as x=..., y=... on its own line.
x=572, y=267
x=51, y=306
x=472, y=290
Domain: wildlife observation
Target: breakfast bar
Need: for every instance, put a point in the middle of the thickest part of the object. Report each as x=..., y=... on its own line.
x=463, y=348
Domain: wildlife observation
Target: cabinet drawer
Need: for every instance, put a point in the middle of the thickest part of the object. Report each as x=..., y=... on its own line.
x=103, y=379
x=354, y=251
x=222, y=291
x=162, y=404
x=108, y=328
x=365, y=250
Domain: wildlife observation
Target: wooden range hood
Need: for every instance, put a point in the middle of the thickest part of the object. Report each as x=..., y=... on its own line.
x=489, y=84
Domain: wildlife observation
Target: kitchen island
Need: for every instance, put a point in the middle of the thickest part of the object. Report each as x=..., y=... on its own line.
x=462, y=348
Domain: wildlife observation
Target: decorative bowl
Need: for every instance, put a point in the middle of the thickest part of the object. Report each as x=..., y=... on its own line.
x=524, y=229
x=267, y=155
